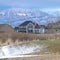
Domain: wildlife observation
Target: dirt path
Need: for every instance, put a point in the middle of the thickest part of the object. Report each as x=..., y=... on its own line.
x=40, y=57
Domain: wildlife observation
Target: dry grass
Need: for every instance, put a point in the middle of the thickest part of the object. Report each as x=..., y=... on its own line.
x=12, y=38
x=28, y=36
x=16, y=38
x=50, y=46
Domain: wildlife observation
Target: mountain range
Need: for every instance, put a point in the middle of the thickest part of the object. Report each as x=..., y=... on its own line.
x=16, y=16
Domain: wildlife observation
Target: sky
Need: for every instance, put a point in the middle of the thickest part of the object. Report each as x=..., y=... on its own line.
x=30, y=4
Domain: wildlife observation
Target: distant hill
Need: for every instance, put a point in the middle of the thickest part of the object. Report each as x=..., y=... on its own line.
x=16, y=16
x=54, y=25
x=6, y=28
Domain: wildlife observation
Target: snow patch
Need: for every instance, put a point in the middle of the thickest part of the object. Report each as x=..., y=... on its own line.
x=19, y=50
x=22, y=14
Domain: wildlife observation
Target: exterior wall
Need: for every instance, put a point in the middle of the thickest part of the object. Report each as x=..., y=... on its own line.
x=36, y=30
x=30, y=28
x=22, y=29
x=40, y=31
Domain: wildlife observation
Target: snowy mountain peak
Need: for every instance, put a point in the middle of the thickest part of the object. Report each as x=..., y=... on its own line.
x=15, y=16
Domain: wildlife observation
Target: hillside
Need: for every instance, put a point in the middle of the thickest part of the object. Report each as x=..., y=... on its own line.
x=53, y=28
x=5, y=28
x=54, y=25
x=16, y=16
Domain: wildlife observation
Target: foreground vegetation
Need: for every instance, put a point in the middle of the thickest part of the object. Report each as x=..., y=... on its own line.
x=50, y=52
x=51, y=41
x=28, y=36
x=52, y=46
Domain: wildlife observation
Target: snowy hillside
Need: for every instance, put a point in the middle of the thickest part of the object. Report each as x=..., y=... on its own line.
x=16, y=16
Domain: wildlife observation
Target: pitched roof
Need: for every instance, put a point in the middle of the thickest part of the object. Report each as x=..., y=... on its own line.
x=25, y=23
x=39, y=26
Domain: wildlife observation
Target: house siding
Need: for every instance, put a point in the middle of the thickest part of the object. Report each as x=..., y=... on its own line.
x=30, y=28
x=22, y=29
x=40, y=30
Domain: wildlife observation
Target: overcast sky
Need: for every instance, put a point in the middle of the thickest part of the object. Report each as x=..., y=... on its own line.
x=41, y=4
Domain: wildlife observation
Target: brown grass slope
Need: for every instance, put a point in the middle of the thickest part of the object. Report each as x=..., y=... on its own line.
x=15, y=36
x=6, y=28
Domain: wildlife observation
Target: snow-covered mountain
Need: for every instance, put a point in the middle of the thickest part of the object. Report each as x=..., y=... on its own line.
x=16, y=16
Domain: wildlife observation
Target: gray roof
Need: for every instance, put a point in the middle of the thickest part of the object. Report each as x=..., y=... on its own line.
x=25, y=23
x=39, y=26
x=36, y=25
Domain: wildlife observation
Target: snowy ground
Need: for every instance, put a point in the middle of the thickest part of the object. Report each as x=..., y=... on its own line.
x=18, y=50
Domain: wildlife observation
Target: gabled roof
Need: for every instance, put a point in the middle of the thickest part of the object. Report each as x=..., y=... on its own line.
x=37, y=26
x=25, y=23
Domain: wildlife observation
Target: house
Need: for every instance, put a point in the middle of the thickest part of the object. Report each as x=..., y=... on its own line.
x=6, y=28
x=30, y=27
